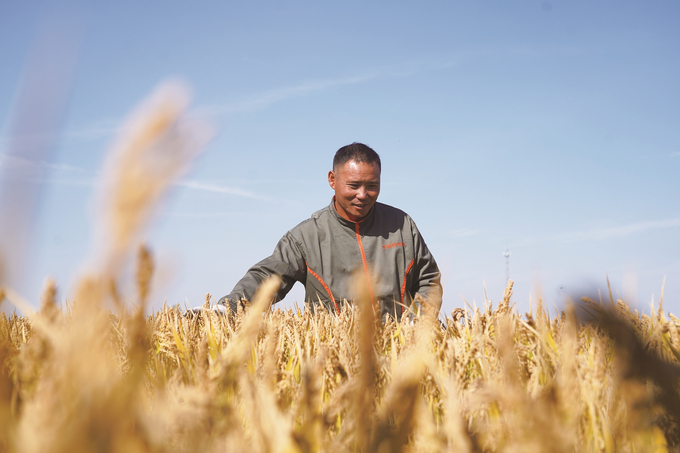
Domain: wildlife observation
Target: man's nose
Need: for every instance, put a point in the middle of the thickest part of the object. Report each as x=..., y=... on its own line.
x=361, y=192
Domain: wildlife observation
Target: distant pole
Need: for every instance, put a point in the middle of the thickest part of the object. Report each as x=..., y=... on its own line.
x=506, y=254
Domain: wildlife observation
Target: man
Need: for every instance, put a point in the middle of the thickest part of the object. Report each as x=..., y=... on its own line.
x=354, y=232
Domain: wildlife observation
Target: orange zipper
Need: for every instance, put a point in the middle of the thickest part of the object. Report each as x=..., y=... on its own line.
x=363, y=259
x=324, y=287
x=403, y=285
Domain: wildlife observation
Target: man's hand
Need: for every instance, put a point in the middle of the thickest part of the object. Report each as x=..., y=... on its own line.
x=218, y=309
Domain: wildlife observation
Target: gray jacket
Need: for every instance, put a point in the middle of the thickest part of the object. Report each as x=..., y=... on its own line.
x=324, y=251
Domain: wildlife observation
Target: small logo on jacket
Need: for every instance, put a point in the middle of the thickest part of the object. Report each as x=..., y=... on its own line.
x=394, y=244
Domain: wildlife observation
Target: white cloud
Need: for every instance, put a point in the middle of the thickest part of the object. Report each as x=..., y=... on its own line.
x=97, y=130
x=675, y=154
x=72, y=182
x=220, y=189
x=619, y=231
x=462, y=232
x=100, y=129
x=263, y=100
x=227, y=214
x=16, y=163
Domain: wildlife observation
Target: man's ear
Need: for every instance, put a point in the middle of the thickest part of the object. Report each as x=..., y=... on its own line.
x=331, y=179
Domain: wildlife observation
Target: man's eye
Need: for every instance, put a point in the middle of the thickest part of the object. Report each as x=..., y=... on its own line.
x=353, y=186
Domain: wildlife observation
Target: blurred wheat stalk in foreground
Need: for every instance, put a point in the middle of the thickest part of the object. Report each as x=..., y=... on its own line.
x=80, y=377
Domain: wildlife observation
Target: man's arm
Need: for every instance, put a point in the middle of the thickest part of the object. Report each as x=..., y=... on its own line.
x=426, y=275
x=287, y=261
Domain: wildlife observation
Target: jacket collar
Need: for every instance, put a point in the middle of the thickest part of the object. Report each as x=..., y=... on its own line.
x=366, y=220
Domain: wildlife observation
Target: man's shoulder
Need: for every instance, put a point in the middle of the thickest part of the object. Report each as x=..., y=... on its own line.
x=382, y=208
x=321, y=215
x=390, y=212
x=393, y=218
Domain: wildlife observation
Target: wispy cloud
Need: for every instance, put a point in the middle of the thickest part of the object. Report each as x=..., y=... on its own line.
x=107, y=128
x=20, y=164
x=462, y=232
x=79, y=182
x=100, y=129
x=94, y=131
x=227, y=214
x=220, y=189
x=263, y=100
x=619, y=231
x=675, y=154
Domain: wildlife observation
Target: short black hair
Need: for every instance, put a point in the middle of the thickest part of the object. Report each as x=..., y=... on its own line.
x=357, y=152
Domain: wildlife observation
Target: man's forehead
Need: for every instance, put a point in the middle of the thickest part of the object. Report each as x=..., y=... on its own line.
x=361, y=170
x=361, y=177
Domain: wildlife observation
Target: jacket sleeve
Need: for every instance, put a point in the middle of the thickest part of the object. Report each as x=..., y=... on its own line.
x=287, y=261
x=426, y=275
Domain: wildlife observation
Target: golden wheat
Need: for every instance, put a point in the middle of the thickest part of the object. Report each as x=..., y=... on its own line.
x=269, y=380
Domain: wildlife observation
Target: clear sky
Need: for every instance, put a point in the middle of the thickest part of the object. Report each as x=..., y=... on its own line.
x=550, y=128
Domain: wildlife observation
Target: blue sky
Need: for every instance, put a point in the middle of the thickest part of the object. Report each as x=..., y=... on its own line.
x=549, y=128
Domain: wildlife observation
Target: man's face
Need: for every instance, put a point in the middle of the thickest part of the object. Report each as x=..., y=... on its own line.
x=356, y=186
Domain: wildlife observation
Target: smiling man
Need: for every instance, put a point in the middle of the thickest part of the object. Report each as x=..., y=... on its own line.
x=354, y=232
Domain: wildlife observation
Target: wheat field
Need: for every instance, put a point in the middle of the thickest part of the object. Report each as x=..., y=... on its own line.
x=89, y=372
x=82, y=378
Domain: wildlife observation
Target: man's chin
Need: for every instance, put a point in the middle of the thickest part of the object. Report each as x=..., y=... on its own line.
x=360, y=213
